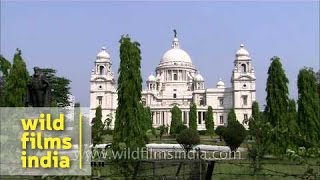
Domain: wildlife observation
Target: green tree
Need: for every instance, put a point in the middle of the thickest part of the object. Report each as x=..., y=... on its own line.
x=277, y=93
x=148, y=119
x=97, y=127
x=180, y=128
x=188, y=138
x=234, y=135
x=209, y=121
x=276, y=109
x=176, y=119
x=259, y=130
x=232, y=116
x=60, y=87
x=4, y=71
x=129, y=128
x=4, y=66
x=15, y=88
x=292, y=124
x=193, y=116
x=220, y=130
x=308, y=106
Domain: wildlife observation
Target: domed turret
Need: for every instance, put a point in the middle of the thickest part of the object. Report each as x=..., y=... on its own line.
x=152, y=78
x=103, y=55
x=198, y=77
x=220, y=84
x=242, y=53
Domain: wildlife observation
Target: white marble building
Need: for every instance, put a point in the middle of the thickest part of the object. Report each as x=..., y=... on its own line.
x=176, y=81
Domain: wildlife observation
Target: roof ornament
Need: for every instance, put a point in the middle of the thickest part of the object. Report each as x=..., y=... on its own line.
x=175, y=32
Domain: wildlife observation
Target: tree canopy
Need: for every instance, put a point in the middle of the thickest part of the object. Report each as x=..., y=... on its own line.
x=277, y=94
x=193, y=116
x=97, y=127
x=176, y=119
x=15, y=88
x=209, y=121
x=129, y=128
x=60, y=87
x=308, y=106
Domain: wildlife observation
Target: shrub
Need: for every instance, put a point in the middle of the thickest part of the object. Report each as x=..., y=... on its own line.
x=188, y=138
x=180, y=128
x=220, y=130
x=234, y=135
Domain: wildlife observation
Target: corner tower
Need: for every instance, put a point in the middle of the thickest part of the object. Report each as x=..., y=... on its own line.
x=243, y=84
x=102, y=85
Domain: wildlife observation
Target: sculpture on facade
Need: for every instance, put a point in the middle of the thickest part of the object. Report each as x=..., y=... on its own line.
x=38, y=94
x=175, y=33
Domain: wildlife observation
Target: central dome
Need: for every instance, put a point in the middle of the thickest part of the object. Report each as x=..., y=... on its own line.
x=176, y=54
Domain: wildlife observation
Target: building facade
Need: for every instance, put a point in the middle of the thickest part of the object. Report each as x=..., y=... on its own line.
x=176, y=81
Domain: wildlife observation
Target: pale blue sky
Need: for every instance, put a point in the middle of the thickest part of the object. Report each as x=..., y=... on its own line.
x=67, y=36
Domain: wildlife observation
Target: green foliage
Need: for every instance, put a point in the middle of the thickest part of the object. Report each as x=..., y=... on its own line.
x=232, y=116
x=148, y=119
x=277, y=94
x=308, y=106
x=234, y=134
x=209, y=121
x=60, y=87
x=176, y=119
x=4, y=66
x=188, y=138
x=97, y=129
x=130, y=117
x=292, y=125
x=220, y=130
x=163, y=130
x=180, y=128
x=193, y=117
x=277, y=106
x=260, y=132
x=15, y=88
x=4, y=71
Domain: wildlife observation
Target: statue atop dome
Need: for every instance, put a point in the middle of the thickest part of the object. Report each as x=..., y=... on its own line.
x=175, y=33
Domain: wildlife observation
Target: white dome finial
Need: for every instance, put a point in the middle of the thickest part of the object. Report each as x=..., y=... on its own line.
x=103, y=54
x=242, y=52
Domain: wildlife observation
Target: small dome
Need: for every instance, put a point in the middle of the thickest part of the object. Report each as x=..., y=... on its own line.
x=198, y=77
x=242, y=51
x=220, y=84
x=152, y=78
x=103, y=54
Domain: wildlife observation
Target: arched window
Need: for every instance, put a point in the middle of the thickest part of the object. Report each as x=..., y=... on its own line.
x=243, y=68
x=101, y=69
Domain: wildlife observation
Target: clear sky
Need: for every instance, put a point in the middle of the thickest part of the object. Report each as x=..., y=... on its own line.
x=67, y=35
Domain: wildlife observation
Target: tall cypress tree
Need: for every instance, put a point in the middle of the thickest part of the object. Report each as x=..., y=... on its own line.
x=15, y=89
x=148, y=118
x=130, y=117
x=277, y=94
x=232, y=116
x=292, y=123
x=209, y=121
x=176, y=119
x=308, y=106
x=97, y=127
x=193, y=116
